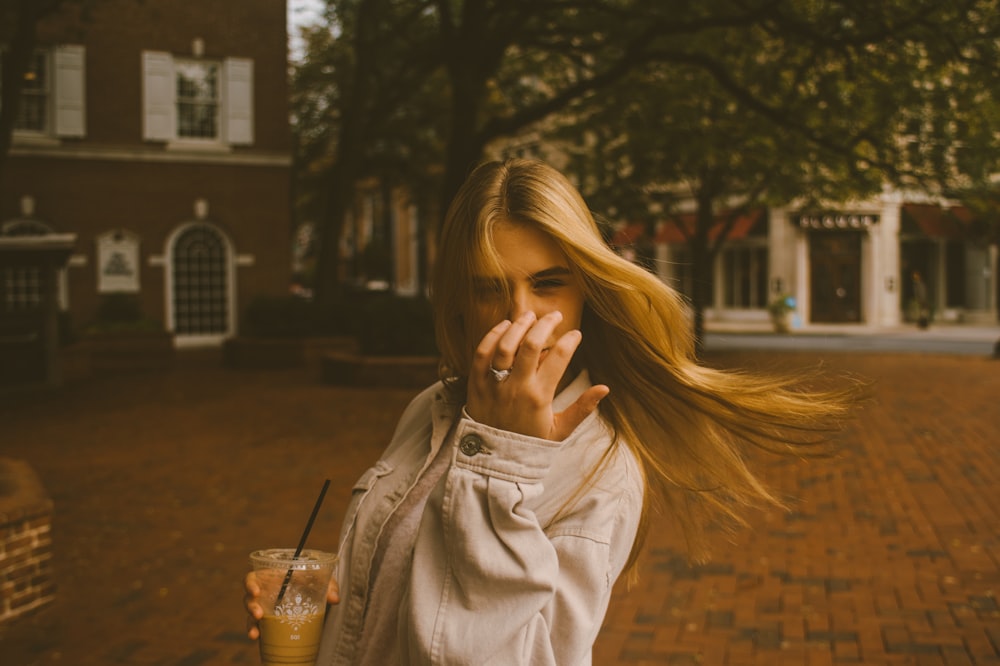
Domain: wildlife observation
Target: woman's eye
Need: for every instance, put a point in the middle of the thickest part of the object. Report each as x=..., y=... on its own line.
x=488, y=288
x=549, y=284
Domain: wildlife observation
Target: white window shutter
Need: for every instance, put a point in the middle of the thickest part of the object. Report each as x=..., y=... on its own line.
x=69, y=95
x=158, y=90
x=238, y=100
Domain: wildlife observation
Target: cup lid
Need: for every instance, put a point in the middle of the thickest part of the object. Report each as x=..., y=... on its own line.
x=284, y=558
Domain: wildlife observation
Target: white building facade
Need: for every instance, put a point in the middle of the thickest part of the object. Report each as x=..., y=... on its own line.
x=854, y=266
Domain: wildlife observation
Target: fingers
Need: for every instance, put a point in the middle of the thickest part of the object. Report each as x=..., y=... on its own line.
x=333, y=592
x=565, y=422
x=254, y=609
x=512, y=343
x=536, y=341
x=526, y=348
x=499, y=346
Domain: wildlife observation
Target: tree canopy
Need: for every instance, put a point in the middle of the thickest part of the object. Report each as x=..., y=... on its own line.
x=740, y=100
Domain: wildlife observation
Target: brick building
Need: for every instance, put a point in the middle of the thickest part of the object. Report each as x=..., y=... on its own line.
x=156, y=132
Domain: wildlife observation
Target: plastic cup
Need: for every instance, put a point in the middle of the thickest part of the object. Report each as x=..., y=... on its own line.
x=291, y=628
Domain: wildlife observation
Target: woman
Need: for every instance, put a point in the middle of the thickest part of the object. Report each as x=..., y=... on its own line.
x=517, y=490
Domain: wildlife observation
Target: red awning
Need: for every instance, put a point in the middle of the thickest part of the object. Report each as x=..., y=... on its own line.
x=939, y=221
x=670, y=230
x=628, y=234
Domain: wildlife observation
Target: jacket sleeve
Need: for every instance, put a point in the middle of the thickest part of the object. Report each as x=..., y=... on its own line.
x=489, y=584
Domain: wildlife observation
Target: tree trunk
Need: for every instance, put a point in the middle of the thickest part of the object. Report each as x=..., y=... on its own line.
x=346, y=169
x=701, y=267
x=701, y=291
x=465, y=147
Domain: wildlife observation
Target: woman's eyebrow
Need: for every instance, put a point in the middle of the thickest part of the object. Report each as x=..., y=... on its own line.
x=555, y=271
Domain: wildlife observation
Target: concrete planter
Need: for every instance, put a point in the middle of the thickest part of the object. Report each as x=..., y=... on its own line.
x=346, y=369
x=270, y=353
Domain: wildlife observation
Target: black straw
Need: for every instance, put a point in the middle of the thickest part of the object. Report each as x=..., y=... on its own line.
x=302, y=541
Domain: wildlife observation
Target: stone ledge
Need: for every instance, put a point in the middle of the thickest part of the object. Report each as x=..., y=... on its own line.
x=347, y=369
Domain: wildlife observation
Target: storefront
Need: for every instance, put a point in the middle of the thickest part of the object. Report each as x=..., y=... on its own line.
x=878, y=264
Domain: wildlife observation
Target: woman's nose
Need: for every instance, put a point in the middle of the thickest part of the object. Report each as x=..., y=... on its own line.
x=520, y=303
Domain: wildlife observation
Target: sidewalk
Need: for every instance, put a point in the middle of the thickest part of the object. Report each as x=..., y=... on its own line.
x=971, y=340
x=164, y=482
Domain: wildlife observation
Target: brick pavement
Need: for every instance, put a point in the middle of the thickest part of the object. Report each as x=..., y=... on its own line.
x=890, y=553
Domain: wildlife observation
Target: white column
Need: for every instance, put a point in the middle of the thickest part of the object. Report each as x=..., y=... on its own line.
x=887, y=279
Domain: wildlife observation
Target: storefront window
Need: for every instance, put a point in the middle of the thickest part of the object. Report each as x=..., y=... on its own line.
x=745, y=274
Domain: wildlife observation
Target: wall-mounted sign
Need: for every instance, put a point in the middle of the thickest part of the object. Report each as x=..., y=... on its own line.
x=117, y=262
x=837, y=221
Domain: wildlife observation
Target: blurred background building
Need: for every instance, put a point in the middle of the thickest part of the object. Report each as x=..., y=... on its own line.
x=157, y=133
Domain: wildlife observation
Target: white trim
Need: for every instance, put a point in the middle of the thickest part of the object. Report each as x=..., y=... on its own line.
x=199, y=341
x=46, y=242
x=27, y=140
x=77, y=260
x=246, y=259
x=182, y=144
x=180, y=153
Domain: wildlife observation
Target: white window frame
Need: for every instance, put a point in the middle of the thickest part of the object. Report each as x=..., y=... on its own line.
x=64, y=94
x=159, y=104
x=180, y=64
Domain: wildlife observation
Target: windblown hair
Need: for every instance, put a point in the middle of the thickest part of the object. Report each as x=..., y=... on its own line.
x=690, y=426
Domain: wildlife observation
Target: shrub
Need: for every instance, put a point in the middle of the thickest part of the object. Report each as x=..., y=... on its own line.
x=121, y=313
x=118, y=308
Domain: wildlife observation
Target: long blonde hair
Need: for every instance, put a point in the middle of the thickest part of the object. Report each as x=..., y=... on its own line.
x=688, y=425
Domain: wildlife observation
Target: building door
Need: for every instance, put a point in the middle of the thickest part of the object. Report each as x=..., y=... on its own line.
x=835, y=277
x=22, y=325
x=200, y=272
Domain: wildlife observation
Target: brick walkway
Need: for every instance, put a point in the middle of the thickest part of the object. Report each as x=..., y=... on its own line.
x=163, y=483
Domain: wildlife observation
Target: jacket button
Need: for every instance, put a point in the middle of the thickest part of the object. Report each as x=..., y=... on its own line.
x=470, y=445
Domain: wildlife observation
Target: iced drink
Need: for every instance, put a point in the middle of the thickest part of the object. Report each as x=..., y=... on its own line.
x=292, y=625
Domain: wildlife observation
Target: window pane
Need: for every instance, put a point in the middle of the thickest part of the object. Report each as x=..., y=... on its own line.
x=761, y=285
x=955, y=274
x=745, y=273
x=197, y=100
x=22, y=289
x=33, y=113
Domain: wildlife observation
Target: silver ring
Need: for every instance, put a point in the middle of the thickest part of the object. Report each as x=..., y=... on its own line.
x=500, y=375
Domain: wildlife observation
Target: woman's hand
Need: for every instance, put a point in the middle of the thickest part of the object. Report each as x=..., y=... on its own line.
x=254, y=609
x=522, y=402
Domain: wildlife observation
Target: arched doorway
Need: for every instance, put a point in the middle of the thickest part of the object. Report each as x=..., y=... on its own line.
x=200, y=285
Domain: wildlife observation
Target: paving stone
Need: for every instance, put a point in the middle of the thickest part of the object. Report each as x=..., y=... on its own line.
x=164, y=482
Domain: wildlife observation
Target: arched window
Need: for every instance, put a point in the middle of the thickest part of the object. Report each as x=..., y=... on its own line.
x=200, y=284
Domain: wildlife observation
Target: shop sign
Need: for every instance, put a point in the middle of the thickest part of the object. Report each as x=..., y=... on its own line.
x=117, y=262
x=837, y=221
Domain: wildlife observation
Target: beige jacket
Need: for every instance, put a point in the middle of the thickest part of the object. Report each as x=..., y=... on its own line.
x=511, y=564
